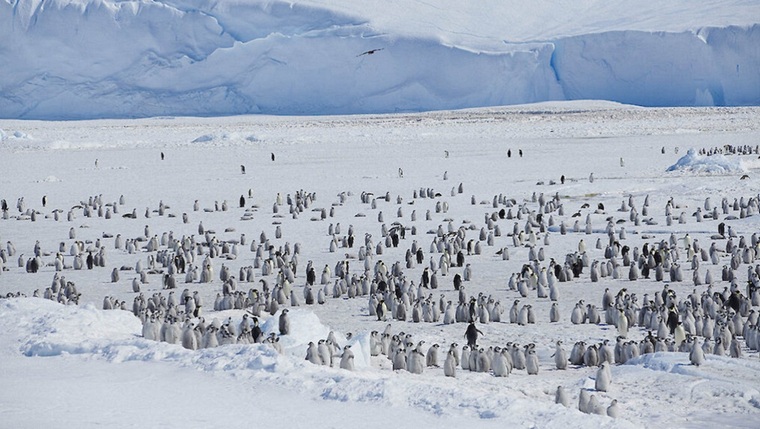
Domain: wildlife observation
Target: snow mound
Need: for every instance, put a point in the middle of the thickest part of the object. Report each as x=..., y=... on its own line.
x=218, y=137
x=14, y=135
x=701, y=164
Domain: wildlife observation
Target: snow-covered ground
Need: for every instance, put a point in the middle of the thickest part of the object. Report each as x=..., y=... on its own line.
x=84, y=59
x=81, y=366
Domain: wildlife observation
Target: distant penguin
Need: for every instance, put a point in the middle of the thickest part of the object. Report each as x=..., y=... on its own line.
x=189, y=341
x=284, y=324
x=613, y=410
x=431, y=358
x=272, y=156
x=622, y=324
x=583, y=400
x=594, y=407
x=560, y=356
x=531, y=360
x=450, y=365
x=472, y=334
x=561, y=397
x=603, y=379
x=242, y=169
x=312, y=354
x=465, y=359
x=399, y=359
x=347, y=359
x=697, y=354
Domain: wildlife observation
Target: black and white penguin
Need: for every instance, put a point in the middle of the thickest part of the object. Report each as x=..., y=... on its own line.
x=284, y=322
x=472, y=334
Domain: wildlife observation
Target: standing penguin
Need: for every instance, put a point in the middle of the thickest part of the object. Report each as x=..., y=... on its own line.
x=431, y=358
x=697, y=355
x=622, y=324
x=450, y=365
x=583, y=399
x=560, y=356
x=312, y=354
x=347, y=360
x=561, y=397
x=531, y=359
x=381, y=310
x=603, y=378
x=472, y=335
x=284, y=322
x=399, y=359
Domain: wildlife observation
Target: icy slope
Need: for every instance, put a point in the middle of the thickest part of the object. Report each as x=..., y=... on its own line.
x=66, y=59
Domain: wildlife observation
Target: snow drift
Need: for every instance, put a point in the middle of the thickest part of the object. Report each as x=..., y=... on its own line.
x=73, y=59
x=714, y=164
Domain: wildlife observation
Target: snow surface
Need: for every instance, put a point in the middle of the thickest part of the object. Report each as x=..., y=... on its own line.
x=80, y=59
x=80, y=366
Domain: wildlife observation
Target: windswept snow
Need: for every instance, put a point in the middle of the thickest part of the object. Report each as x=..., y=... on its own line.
x=79, y=59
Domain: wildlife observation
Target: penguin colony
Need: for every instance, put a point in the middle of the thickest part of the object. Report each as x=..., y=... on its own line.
x=433, y=281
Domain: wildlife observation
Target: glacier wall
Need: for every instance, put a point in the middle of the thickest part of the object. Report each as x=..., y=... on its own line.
x=712, y=66
x=78, y=59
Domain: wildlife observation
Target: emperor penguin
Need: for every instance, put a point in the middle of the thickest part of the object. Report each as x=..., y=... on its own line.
x=414, y=362
x=347, y=359
x=697, y=355
x=450, y=364
x=679, y=334
x=189, y=341
x=465, y=359
x=613, y=410
x=284, y=322
x=554, y=315
x=603, y=378
x=560, y=356
x=583, y=400
x=325, y=354
x=431, y=358
x=499, y=364
x=561, y=397
x=312, y=354
x=471, y=334
x=399, y=359
x=531, y=359
x=483, y=362
x=622, y=324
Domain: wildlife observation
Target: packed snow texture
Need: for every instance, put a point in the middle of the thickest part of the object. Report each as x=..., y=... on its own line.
x=74, y=59
x=713, y=164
